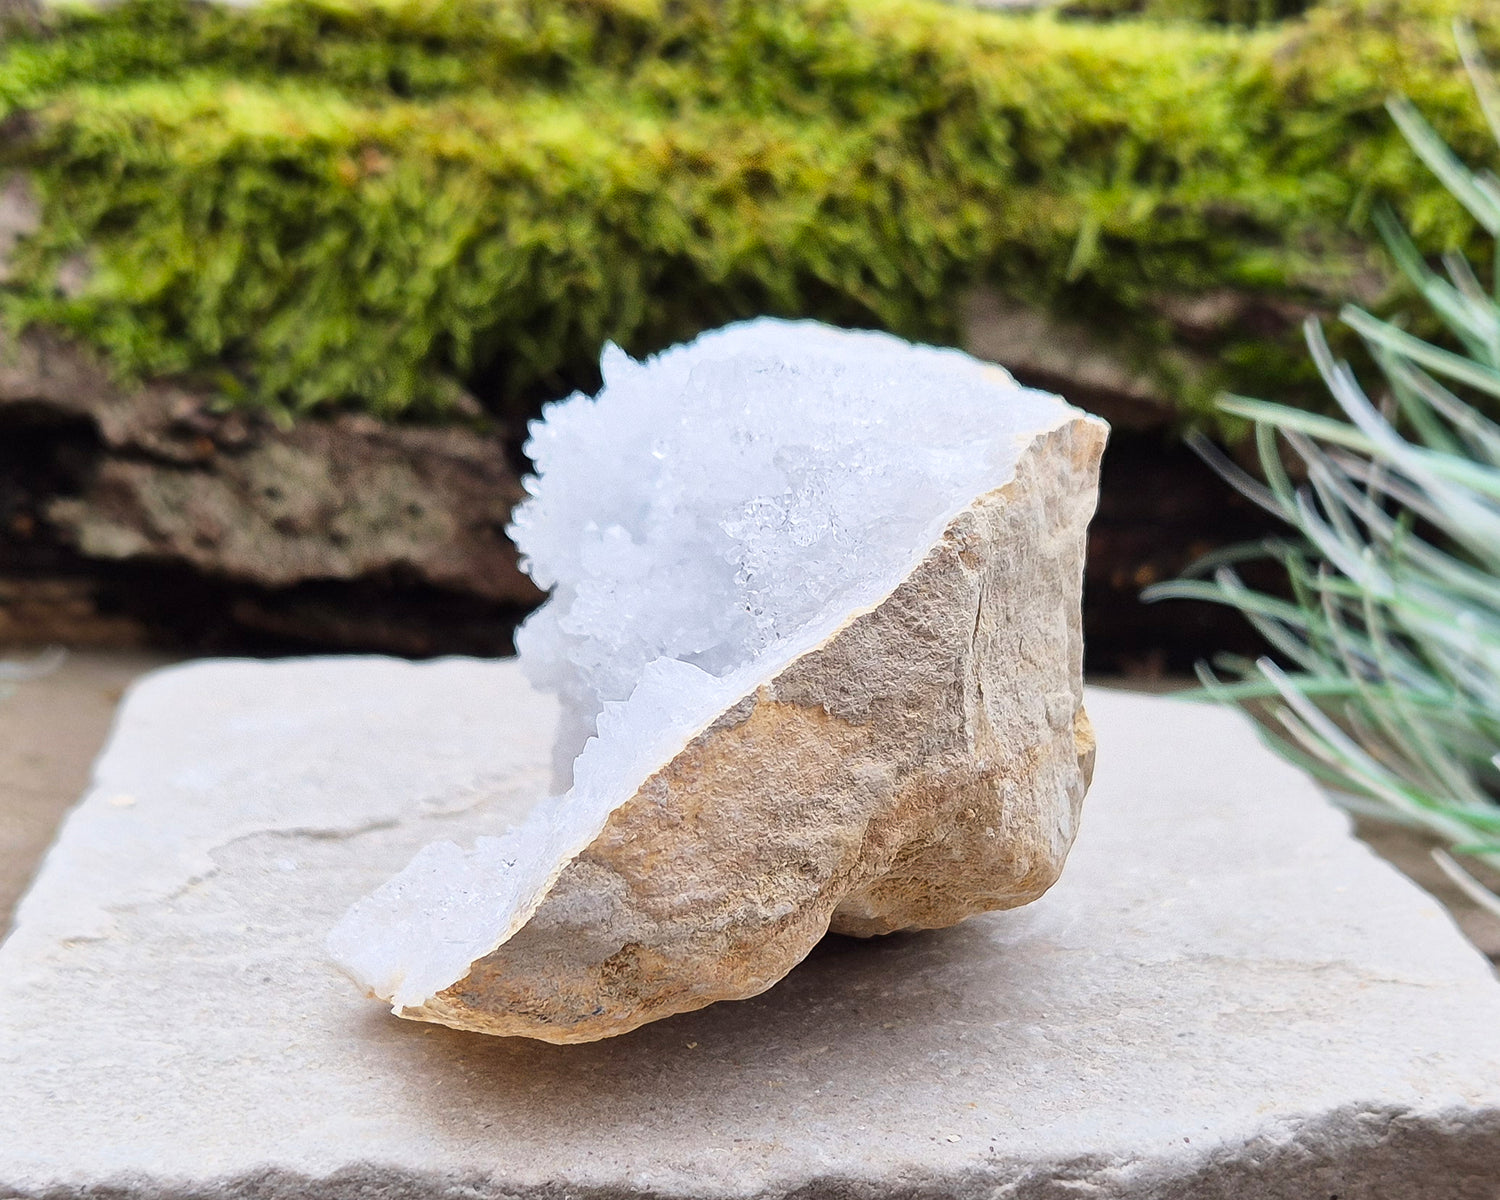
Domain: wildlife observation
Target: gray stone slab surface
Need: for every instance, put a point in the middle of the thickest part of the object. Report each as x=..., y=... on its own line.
x=51, y=729
x=1225, y=996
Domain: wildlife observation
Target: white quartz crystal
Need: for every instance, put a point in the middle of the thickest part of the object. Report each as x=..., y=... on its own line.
x=717, y=500
x=711, y=514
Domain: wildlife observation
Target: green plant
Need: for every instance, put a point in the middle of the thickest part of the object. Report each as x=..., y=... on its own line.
x=1223, y=12
x=1386, y=680
x=379, y=203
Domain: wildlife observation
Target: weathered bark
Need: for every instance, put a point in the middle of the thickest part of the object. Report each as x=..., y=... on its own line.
x=146, y=516
x=156, y=476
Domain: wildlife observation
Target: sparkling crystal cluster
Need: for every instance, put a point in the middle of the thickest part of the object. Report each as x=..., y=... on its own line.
x=816, y=670
x=718, y=500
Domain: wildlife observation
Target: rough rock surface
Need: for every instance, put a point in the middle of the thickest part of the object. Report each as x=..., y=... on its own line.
x=1082, y=361
x=155, y=475
x=103, y=542
x=1224, y=997
x=326, y=499
x=925, y=763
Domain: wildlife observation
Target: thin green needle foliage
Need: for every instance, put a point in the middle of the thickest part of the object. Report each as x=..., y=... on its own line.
x=1384, y=677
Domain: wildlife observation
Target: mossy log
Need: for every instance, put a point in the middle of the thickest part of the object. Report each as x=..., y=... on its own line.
x=394, y=205
x=440, y=209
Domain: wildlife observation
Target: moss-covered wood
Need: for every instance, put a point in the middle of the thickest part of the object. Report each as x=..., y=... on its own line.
x=383, y=203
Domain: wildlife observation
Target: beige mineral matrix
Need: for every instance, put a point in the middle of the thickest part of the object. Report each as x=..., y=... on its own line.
x=815, y=627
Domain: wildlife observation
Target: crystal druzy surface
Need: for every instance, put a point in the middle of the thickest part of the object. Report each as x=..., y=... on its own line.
x=711, y=515
x=716, y=501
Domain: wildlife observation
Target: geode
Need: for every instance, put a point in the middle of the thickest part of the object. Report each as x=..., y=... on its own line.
x=814, y=620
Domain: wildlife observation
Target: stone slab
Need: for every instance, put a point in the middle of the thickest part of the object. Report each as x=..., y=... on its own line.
x=51, y=730
x=1225, y=996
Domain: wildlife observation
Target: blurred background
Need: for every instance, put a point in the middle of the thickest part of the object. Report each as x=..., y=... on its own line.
x=281, y=283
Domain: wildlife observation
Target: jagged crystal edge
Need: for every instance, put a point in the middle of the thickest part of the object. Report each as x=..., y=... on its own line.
x=421, y=931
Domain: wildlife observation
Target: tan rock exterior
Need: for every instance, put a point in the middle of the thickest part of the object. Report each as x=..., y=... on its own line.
x=926, y=763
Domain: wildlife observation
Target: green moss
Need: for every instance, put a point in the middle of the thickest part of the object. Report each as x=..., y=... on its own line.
x=1218, y=12
x=376, y=202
